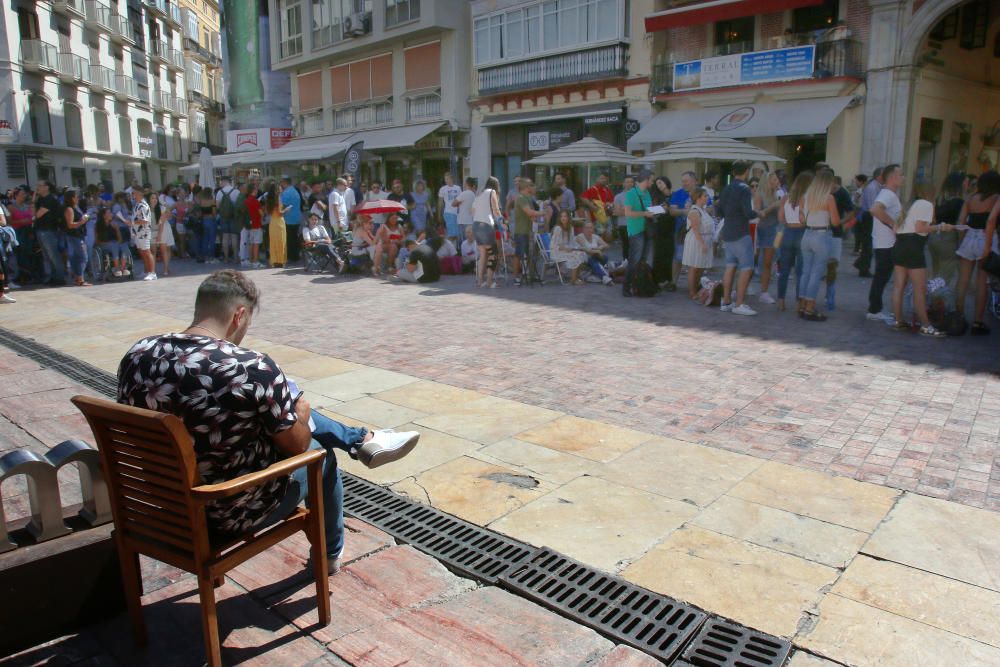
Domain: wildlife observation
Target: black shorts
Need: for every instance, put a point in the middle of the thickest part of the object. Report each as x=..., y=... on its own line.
x=909, y=251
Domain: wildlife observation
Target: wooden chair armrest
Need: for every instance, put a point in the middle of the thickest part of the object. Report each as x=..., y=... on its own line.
x=208, y=492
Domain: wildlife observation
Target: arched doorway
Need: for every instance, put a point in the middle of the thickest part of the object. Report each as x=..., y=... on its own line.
x=917, y=68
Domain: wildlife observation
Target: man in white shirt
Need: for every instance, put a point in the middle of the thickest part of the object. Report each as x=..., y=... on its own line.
x=886, y=210
x=339, y=209
x=350, y=195
x=463, y=203
x=446, y=197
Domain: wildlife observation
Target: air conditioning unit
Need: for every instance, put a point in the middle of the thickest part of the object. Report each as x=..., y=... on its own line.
x=357, y=25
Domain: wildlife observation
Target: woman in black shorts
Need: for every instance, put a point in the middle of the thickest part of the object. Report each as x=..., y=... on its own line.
x=908, y=258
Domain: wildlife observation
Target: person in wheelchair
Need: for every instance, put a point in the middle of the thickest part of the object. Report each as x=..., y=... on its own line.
x=109, y=240
x=317, y=242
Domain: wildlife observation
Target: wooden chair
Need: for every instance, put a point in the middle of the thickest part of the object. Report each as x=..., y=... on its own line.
x=159, y=509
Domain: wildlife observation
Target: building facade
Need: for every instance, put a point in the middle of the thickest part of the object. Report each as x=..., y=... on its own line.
x=391, y=73
x=203, y=68
x=92, y=91
x=547, y=73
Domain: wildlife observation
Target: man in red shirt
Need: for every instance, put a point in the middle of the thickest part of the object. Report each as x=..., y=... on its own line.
x=599, y=200
x=255, y=235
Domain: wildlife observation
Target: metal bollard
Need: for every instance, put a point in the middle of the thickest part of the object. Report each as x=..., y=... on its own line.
x=93, y=487
x=43, y=495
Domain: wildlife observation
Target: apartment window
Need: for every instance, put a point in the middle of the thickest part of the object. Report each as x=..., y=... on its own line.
x=547, y=26
x=401, y=11
x=735, y=36
x=74, y=125
x=312, y=123
x=290, y=18
x=102, y=131
x=820, y=17
x=27, y=24
x=161, y=143
x=195, y=76
x=177, y=145
x=125, y=134
x=200, y=128
x=41, y=127
x=328, y=20
x=192, y=25
x=424, y=107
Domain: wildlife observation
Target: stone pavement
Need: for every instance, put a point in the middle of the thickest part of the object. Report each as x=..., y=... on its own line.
x=687, y=450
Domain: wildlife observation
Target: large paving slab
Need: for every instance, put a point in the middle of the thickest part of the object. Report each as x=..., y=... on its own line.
x=756, y=586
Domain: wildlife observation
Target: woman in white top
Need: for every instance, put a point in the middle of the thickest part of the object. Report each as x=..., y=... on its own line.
x=908, y=259
x=485, y=213
x=563, y=248
x=818, y=211
x=789, y=239
x=698, y=241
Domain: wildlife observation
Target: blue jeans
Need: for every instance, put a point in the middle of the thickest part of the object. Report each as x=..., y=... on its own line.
x=637, y=244
x=207, y=247
x=596, y=267
x=76, y=248
x=815, y=251
x=739, y=253
x=328, y=435
x=790, y=254
x=54, y=267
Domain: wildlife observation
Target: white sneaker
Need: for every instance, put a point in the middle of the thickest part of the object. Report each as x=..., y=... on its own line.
x=7, y=298
x=888, y=318
x=387, y=446
x=493, y=285
x=607, y=280
x=726, y=307
x=260, y=265
x=126, y=273
x=245, y=264
x=149, y=276
x=766, y=298
x=744, y=310
x=116, y=273
x=592, y=279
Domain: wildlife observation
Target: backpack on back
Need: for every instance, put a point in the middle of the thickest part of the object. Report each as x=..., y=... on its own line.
x=227, y=209
x=643, y=283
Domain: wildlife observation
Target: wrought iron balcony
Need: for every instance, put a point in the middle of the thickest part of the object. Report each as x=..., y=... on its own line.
x=102, y=78
x=70, y=7
x=834, y=58
x=39, y=55
x=163, y=51
x=73, y=67
x=126, y=87
x=98, y=16
x=603, y=62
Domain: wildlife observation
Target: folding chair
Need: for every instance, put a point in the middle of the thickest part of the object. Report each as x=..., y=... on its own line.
x=544, y=243
x=315, y=260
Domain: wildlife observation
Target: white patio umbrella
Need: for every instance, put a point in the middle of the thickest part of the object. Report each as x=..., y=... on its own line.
x=710, y=146
x=587, y=151
x=206, y=176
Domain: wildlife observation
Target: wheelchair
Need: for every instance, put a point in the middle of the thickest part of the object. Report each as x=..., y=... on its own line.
x=100, y=266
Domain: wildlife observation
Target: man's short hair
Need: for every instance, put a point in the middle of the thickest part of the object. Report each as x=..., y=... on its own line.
x=889, y=170
x=472, y=182
x=877, y=173
x=223, y=291
x=693, y=176
x=525, y=182
x=643, y=176
x=342, y=181
x=740, y=167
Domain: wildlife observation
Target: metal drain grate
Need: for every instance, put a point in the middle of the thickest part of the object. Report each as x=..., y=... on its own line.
x=726, y=644
x=465, y=547
x=619, y=610
x=79, y=371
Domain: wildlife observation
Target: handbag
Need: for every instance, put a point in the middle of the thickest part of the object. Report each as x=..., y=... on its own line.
x=991, y=264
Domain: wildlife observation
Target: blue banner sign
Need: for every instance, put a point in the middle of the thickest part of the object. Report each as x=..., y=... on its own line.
x=797, y=62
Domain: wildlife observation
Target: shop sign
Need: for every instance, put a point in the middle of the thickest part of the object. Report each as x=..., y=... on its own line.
x=604, y=119
x=145, y=141
x=796, y=62
x=538, y=141
x=280, y=136
x=7, y=134
x=631, y=128
x=257, y=139
x=560, y=139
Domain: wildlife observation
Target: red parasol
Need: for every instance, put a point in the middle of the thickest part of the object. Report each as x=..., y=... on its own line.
x=375, y=206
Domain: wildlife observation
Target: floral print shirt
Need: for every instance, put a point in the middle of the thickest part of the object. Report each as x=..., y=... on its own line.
x=232, y=400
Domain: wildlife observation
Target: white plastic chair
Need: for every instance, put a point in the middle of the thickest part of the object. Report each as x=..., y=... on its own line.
x=544, y=243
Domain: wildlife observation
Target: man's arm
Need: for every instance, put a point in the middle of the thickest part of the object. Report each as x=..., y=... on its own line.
x=879, y=213
x=295, y=440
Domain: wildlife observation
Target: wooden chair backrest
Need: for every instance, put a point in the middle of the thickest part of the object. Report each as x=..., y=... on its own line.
x=149, y=462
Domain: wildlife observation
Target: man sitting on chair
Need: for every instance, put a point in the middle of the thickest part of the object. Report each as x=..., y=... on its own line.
x=244, y=414
x=316, y=239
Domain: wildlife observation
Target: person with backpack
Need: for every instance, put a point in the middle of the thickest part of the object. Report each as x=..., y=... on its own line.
x=225, y=201
x=639, y=275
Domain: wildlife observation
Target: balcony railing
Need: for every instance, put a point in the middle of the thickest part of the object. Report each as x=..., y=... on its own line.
x=126, y=87
x=102, y=78
x=602, y=62
x=73, y=67
x=423, y=107
x=167, y=10
x=169, y=55
x=69, y=7
x=122, y=29
x=36, y=54
x=835, y=58
x=99, y=16
x=166, y=101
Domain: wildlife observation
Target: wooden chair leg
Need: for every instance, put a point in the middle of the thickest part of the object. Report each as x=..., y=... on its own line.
x=132, y=584
x=317, y=538
x=209, y=622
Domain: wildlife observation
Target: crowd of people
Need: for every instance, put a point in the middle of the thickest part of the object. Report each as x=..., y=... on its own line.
x=764, y=223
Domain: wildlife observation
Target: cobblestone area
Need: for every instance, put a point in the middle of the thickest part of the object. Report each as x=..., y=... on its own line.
x=847, y=396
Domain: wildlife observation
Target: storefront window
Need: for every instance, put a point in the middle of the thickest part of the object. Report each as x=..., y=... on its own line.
x=734, y=36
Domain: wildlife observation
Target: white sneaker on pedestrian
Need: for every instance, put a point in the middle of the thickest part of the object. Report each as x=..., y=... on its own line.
x=766, y=298
x=744, y=310
x=387, y=446
x=607, y=280
x=7, y=298
x=726, y=307
x=116, y=273
x=888, y=318
x=126, y=273
x=149, y=276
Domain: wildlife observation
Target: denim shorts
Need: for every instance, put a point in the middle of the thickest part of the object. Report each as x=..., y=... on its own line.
x=484, y=233
x=739, y=253
x=451, y=224
x=522, y=242
x=766, y=236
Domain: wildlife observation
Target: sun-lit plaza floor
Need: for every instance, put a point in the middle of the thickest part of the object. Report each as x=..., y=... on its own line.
x=833, y=483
